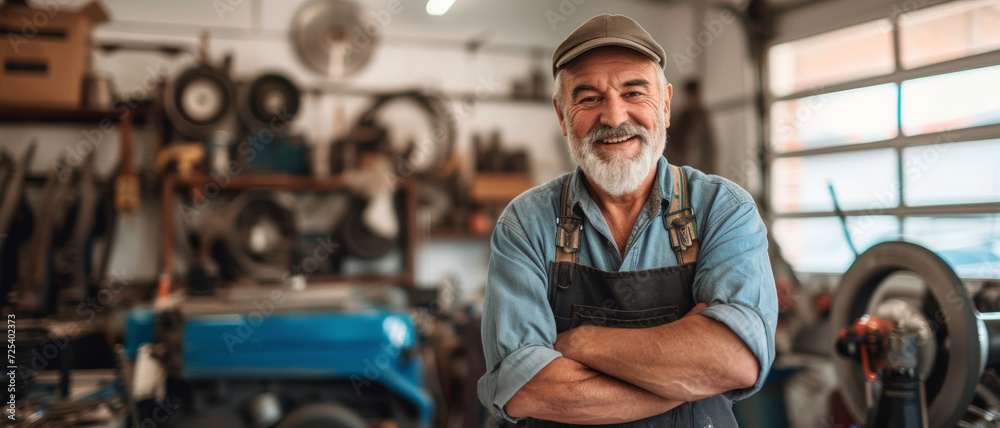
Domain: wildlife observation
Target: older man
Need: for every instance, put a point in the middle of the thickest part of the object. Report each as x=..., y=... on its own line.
x=592, y=312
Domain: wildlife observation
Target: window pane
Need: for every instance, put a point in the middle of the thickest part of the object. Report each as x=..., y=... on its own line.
x=819, y=244
x=839, y=56
x=950, y=101
x=952, y=173
x=849, y=117
x=949, y=31
x=970, y=244
x=865, y=179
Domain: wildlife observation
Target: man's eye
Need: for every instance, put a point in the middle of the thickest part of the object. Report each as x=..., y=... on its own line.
x=633, y=94
x=588, y=100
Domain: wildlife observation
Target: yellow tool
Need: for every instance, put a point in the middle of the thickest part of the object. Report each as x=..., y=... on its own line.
x=127, y=182
x=185, y=154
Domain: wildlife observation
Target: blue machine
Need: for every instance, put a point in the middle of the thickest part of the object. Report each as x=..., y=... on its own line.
x=364, y=352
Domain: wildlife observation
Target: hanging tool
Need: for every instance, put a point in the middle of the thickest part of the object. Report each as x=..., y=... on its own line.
x=12, y=184
x=35, y=292
x=12, y=203
x=71, y=261
x=184, y=155
x=127, y=181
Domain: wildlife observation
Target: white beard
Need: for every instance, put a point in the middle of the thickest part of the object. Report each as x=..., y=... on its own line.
x=618, y=174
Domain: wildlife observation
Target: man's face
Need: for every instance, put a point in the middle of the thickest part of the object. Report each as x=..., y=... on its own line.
x=615, y=117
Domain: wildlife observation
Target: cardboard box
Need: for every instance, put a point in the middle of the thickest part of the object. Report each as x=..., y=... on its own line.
x=46, y=54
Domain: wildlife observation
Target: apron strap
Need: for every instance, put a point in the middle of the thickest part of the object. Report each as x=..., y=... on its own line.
x=568, y=226
x=680, y=221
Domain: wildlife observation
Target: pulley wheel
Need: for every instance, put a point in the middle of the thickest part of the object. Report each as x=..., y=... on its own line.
x=960, y=356
x=264, y=235
x=199, y=101
x=270, y=100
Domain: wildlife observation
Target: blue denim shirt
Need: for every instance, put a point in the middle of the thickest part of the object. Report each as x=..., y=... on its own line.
x=733, y=272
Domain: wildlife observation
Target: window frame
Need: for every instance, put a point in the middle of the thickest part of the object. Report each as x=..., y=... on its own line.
x=902, y=141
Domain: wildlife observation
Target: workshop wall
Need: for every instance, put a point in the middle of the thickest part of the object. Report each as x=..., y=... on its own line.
x=417, y=50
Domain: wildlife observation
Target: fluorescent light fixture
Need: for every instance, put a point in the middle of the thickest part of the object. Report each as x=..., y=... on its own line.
x=439, y=7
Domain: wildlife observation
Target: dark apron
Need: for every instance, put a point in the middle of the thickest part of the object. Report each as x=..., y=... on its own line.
x=582, y=295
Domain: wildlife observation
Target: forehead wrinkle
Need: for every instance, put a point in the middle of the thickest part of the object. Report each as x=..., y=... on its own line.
x=599, y=82
x=600, y=74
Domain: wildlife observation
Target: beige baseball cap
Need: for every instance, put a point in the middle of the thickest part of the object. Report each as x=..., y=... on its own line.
x=607, y=30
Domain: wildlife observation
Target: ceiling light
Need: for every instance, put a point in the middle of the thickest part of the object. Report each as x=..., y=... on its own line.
x=439, y=7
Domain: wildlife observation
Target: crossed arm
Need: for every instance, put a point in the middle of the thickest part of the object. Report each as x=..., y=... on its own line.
x=609, y=375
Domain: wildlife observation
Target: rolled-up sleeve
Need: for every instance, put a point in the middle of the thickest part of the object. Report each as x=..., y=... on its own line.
x=734, y=277
x=518, y=327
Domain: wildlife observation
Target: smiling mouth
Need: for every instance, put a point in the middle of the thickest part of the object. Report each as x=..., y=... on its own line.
x=617, y=140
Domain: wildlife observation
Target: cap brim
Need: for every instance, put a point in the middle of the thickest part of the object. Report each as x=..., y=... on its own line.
x=606, y=41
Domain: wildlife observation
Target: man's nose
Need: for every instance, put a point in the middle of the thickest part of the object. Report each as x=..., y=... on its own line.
x=615, y=112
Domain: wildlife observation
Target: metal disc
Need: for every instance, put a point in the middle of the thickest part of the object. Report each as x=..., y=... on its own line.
x=270, y=100
x=335, y=38
x=199, y=101
x=960, y=358
x=264, y=235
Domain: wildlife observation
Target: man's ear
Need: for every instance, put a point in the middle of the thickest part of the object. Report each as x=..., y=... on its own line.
x=559, y=112
x=667, y=95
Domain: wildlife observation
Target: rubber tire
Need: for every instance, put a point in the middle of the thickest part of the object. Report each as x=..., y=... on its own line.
x=322, y=415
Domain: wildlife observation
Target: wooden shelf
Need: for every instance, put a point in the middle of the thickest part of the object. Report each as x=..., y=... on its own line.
x=367, y=279
x=37, y=115
x=250, y=180
x=499, y=187
x=455, y=234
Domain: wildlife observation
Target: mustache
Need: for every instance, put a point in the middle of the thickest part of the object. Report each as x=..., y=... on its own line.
x=606, y=132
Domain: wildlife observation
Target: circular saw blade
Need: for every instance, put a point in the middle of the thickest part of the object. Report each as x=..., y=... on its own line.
x=335, y=38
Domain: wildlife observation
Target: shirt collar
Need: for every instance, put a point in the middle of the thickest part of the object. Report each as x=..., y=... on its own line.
x=659, y=198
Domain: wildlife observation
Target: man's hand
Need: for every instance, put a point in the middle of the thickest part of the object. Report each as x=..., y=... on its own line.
x=569, y=392
x=571, y=343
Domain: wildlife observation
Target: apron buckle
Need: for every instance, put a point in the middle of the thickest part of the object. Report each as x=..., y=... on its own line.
x=681, y=226
x=568, y=233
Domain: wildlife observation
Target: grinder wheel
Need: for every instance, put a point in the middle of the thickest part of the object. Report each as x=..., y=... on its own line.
x=961, y=356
